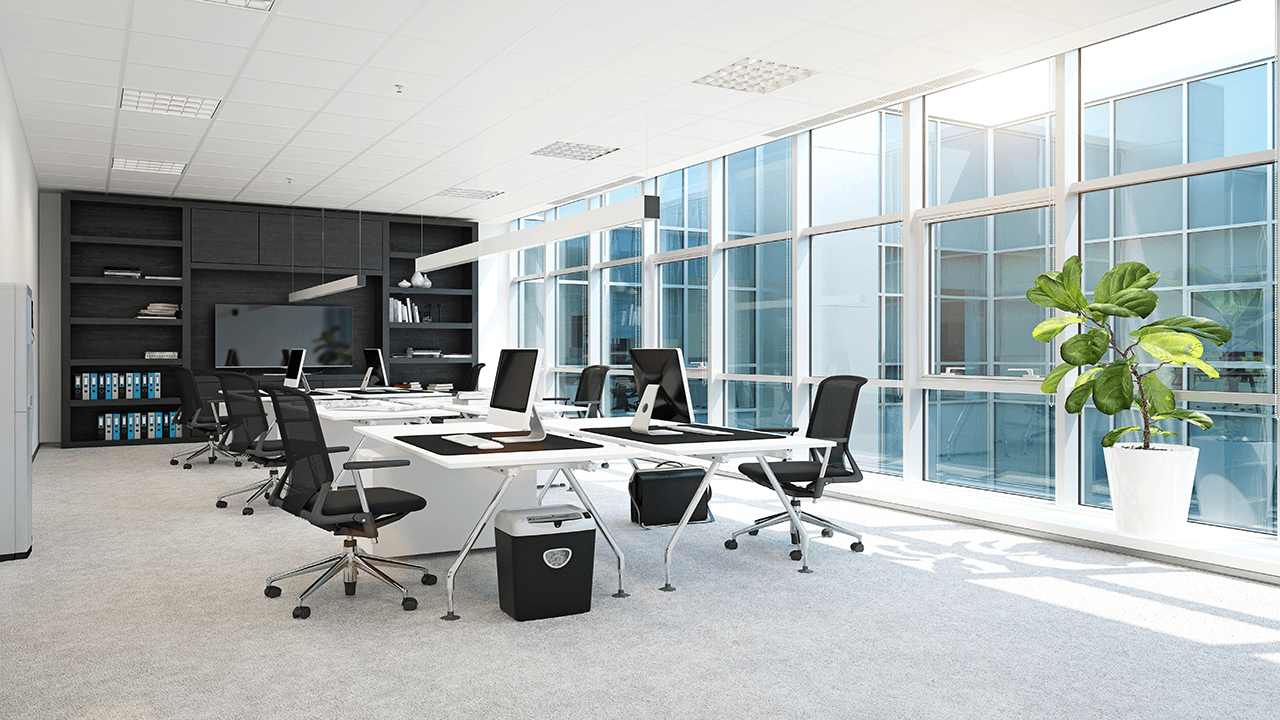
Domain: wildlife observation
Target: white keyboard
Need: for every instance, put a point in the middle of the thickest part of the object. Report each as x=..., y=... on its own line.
x=473, y=441
x=349, y=404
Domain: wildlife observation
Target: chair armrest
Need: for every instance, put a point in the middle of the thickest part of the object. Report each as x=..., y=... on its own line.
x=561, y=400
x=783, y=430
x=337, y=449
x=375, y=464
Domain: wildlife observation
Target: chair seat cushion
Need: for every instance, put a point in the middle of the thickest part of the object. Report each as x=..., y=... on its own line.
x=795, y=476
x=382, y=501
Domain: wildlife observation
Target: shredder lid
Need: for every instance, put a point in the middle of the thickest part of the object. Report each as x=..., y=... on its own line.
x=542, y=520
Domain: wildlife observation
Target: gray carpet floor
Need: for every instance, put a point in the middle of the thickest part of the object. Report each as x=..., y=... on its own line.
x=141, y=600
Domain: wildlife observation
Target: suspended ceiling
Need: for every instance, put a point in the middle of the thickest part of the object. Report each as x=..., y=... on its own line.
x=379, y=105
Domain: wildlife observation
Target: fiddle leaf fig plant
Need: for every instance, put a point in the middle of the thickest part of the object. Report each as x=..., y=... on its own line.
x=1118, y=383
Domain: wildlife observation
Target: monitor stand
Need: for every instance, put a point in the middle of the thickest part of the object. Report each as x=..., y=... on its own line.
x=536, y=432
x=642, y=422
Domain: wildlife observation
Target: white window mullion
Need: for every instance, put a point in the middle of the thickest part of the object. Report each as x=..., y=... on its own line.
x=915, y=288
x=715, y=291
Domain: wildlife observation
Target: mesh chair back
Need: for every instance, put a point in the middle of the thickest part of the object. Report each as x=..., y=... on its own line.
x=306, y=455
x=472, y=380
x=591, y=384
x=246, y=415
x=832, y=415
x=189, y=392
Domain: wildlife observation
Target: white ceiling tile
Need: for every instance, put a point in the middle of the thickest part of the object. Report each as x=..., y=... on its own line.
x=369, y=127
x=590, y=43
x=107, y=13
x=253, y=114
x=126, y=181
x=172, y=141
x=37, y=33
x=888, y=18
x=530, y=71
x=77, y=115
x=197, y=21
x=476, y=154
x=240, y=147
x=744, y=30
x=83, y=172
x=150, y=152
x=363, y=168
x=402, y=163
x=421, y=152
x=498, y=27
x=332, y=141
x=352, y=184
x=319, y=156
x=1078, y=13
x=487, y=96
x=134, y=120
x=56, y=65
x=386, y=107
x=653, y=18
x=223, y=130
x=388, y=16
x=706, y=99
x=907, y=69
x=995, y=35
x=620, y=87
x=297, y=70
x=55, y=157
x=812, y=10
x=63, y=91
x=162, y=51
x=426, y=135
x=192, y=179
x=576, y=109
x=826, y=47
x=401, y=199
x=830, y=90
x=432, y=57
x=458, y=117
x=414, y=87
x=202, y=169
x=716, y=129
x=173, y=80
x=301, y=167
x=672, y=60
x=294, y=36
x=297, y=97
x=268, y=197
x=652, y=121
x=246, y=162
x=53, y=128
x=205, y=193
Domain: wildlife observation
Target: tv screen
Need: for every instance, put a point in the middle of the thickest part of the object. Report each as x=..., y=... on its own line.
x=260, y=336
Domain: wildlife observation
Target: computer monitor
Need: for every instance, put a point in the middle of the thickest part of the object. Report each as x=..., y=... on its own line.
x=515, y=386
x=663, y=370
x=293, y=375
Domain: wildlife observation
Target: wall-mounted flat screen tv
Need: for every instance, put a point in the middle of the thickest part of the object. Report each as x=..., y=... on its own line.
x=260, y=336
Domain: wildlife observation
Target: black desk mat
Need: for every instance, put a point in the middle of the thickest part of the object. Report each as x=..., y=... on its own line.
x=438, y=445
x=624, y=432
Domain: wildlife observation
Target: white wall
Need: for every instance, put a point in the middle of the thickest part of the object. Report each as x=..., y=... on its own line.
x=18, y=200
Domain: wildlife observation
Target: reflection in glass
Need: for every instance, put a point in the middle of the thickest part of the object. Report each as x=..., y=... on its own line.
x=758, y=190
x=531, y=311
x=855, y=301
x=621, y=243
x=571, y=319
x=532, y=260
x=622, y=313
x=857, y=168
x=992, y=441
x=758, y=295
x=876, y=440
x=682, y=217
x=757, y=404
x=682, y=309
x=571, y=253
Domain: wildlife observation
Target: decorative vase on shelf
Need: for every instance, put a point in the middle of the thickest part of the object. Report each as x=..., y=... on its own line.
x=404, y=283
x=417, y=278
x=426, y=282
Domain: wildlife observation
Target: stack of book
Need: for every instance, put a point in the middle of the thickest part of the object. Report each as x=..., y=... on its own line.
x=160, y=355
x=120, y=272
x=440, y=387
x=160, y=310
x=422, y=353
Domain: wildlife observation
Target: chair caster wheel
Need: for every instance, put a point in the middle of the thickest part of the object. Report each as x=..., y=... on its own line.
x=349, y=587
x=238, y=463
x=796, y=555
x=857, y=547
x=731, y=544
x=272, y=591
x=186, y=466
x=173, y=462
x=247, y=511
x=302, y=612
x=409, y=604
x=827, y=532
x=213, y=460
x=220, y=504
x=753, y=533
x=429, y=579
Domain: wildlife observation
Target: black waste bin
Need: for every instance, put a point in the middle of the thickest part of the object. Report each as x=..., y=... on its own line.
x=545, y=559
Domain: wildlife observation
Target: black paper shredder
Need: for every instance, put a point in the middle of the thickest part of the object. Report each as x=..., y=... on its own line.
x=545, y=559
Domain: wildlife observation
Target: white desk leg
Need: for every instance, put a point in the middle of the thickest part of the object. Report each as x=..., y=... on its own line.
x=622, y=563
x=550, y=481
x=791, y=513
x=684, y=519
x=508, y=476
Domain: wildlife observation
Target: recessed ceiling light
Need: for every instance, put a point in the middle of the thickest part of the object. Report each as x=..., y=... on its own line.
x=469, y=194
x=151, y=166
x=263, y=5
x=167, y=103
x=755, y=76
x=573, y=151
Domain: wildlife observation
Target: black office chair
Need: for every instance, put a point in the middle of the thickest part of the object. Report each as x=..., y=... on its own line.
x=472, y=380
x=831, y=419
x=198, y=417
x=590, y=390
x=307, y=490
x=247, y=433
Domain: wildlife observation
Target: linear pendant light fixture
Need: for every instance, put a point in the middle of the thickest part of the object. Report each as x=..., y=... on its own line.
x=627, y=212
x=333, y=287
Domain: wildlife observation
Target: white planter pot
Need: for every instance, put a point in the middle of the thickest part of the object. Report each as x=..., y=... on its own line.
x=1150, y=489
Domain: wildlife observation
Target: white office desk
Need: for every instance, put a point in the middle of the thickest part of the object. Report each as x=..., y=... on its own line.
x=704, y=447
x=509, y=464
x=480, y=408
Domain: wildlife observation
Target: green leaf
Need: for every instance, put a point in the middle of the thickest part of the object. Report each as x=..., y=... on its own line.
x=1072, y=270
x=1172, y=347
x=1079, y=396
x=1085, y=349
x=1054, y=288
x=1049, y=385
x=1049, y=329
x=1039, y=297
x=1087, y=375
x=1097, y=309
x=1190, y=416
x=1205, y=367
x=1198, y=326
x=1123, y=276
x=1163, y=433
x=1139, y=301
x=1159, y=396
x=1110, y=438
x=1113, y=390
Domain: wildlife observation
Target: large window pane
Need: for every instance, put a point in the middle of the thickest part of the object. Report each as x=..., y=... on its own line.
x=572, y=253
x=758, y=190
x=532, y=261
x=757, y=404
x=621, y=243
x=758, y=309
x=876, y=440
x=682, y=217
x=531, y=298
x=992, y=441
x=857, y=168
x=1228, y=114
x=682, y=294
x=622, y=313
x=981, y=269
x=571, y=319
x=991, y=136
x=856, y=303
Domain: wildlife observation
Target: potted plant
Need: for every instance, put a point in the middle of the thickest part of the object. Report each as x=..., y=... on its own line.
x=1150, y=484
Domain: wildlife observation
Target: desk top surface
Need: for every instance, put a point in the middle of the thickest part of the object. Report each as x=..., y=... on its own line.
x=512, y=456
x=691, y=444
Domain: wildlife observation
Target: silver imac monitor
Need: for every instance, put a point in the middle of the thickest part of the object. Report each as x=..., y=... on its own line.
x=376, y=379
x=515, y=385
x=662, y=387
x=293, y=375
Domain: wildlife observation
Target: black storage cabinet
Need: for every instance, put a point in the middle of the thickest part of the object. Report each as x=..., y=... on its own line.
x=545, y=559
x=659, y=496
